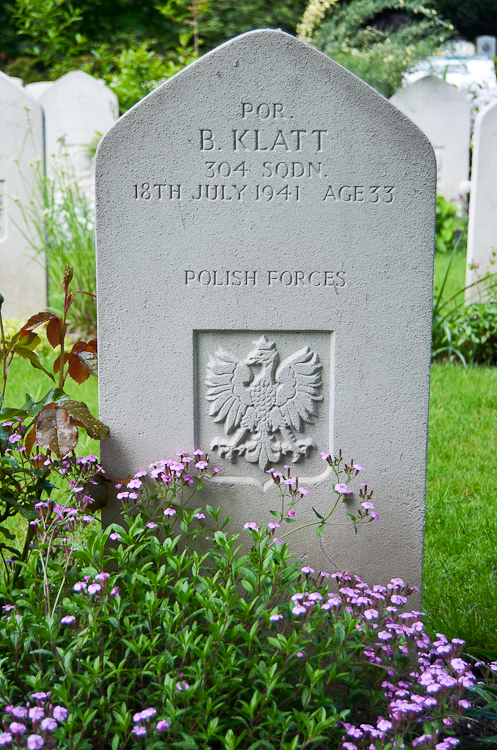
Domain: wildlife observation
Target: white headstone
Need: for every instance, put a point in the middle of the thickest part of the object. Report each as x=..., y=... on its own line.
x=482, y=227
x=486, y=45
x=443, y=114
x=266, y=202
x=77, y=108
x=22, y=272
x=38, y=88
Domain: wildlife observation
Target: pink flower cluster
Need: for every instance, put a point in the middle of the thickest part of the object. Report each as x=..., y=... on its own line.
x=171, y=472
x=43, y=717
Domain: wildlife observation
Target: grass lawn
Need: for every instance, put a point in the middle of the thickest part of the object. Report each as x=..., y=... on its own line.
x=460, y=586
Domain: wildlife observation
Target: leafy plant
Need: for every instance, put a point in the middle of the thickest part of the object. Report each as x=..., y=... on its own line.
x=466, y=332
x=50, y=423
x=451, y=226
x=162, y=632
x=362, y=37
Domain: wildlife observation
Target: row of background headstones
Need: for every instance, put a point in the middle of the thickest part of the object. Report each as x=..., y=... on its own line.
x=50, y=125
x=77, y=109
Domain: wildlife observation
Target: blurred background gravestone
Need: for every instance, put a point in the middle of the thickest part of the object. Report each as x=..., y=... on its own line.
x=78, y=110
x=265, y=206
x=486, y=46
x=22, y=272
x=482, y=226
x=443, y=114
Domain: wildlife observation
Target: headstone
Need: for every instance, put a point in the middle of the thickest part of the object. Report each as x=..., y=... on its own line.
x=486, y=46
x=22, y=272
x=38, y=88
x=482, y=227
x=77, y=108
x=443, y=114
x=266, y=211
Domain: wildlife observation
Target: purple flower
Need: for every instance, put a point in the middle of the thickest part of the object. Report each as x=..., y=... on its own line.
x=169, y=512
x=114, y=591
x=19, y=712
x=299, y=654
x=358, y=467
x=79, y=586
x=458, y=665
x=325, y=456
x=277, y=540
x=342, y=489
x=137, y=717
x=299, y=610
x=147, y=713
x=151, y=525
x=60, y=713
x=315, y=596
x=199, y=516
x=251, y=526
x=384, y=725
x=94, y=588
x=48, y=724
x=162, y=725
x=367, y=505
x=291, y=514
x=307, y=570
x=14, y=438
x=273, y=525
x=102, y=576
x=39, y=696
x=67, y=620
x=465, y=704
x=36, y=713
x=371, y=614
x=139, y=731
x=5, y=738
x=35, y=742
x=383, y=635
x=304, y=490
x=8, y=607
x=182, y=686
x=201, y=465
x=198, y=452
x=135, y=484
x=17, y=728
x=276, y=617
x=349, y=746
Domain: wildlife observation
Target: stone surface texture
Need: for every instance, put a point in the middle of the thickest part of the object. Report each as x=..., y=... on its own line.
x=444, y=115
x=76, y=107
x=482, y=227
x=265, y=232
x=22, y=272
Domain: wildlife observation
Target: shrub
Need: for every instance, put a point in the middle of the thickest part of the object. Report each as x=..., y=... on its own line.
x=163, y=631
x=451, y=226
x=378, y=40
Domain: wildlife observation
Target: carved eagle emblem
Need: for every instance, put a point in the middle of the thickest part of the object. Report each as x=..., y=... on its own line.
x=256, y=406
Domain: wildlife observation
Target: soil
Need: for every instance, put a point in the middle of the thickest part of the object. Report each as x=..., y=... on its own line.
x=471, y=730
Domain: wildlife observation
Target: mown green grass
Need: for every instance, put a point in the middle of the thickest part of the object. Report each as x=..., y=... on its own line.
x=460, y=583
x=456, y=277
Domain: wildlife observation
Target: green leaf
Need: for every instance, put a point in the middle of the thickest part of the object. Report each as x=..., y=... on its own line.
x=319, y=531
x=33, y=358
x=7, y=534
x=83, y=417
x=318, y=514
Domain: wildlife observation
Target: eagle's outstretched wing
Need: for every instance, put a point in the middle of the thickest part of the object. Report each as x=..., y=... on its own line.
x=227, y=378
x=298, y=380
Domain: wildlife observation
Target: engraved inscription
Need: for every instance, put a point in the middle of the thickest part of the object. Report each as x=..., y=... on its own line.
x=277, y=398
x=267, y=158
x=334, y=279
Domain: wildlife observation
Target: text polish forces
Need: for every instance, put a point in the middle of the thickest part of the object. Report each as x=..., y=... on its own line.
x=335, y=279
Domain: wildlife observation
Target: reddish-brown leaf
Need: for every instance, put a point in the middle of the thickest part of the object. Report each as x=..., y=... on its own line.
x=56, y=430
x=56, y=364
x=35, y=321
x=29, y=440
x=77, y=371
x=53, y=332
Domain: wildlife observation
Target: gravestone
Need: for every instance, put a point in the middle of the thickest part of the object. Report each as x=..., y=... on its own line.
x=22, y=272
x=482, y=227
x=486, y=45
x=38, y=88
x=77, y=107
x=266, y=212
x=443, y=114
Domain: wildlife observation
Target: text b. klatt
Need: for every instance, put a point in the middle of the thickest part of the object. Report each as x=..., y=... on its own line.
x=245, y=278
